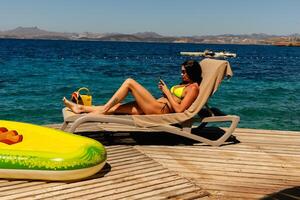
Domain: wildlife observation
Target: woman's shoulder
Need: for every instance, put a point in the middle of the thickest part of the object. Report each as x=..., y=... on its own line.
x=193, y=86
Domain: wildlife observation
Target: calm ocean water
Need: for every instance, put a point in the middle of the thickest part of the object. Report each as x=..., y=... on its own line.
x=36, y=74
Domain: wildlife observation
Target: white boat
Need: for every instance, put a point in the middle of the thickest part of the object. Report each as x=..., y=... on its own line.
x=210, y=54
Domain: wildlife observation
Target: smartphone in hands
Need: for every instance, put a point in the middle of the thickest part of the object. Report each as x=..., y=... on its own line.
x=161, y=81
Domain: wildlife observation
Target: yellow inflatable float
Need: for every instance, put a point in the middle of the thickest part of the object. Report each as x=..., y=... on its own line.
x=29, y=151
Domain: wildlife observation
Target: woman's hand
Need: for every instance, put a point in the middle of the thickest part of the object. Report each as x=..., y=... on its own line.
x=163, y=87
x=191, y=93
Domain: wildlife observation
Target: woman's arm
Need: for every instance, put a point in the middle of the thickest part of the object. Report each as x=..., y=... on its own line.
x=185, y=103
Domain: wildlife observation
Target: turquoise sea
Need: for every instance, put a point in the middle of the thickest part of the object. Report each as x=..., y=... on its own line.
x=36, y=74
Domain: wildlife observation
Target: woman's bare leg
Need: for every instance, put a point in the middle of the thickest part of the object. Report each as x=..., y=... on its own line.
x=76, y=108
x=130, y=108
x=144, y=100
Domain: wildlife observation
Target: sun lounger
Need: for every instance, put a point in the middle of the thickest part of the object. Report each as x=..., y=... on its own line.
x=213, y=72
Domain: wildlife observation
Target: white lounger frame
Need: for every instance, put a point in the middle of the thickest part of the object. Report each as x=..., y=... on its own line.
x=185, y=131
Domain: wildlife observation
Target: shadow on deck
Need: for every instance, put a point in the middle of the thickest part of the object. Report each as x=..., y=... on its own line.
x=289, y=194
x=155, y=138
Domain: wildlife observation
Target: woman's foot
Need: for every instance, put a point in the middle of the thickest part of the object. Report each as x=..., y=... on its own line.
x=74, y=107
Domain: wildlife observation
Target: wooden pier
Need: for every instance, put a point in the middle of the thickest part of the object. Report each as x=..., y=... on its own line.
x=256, y=164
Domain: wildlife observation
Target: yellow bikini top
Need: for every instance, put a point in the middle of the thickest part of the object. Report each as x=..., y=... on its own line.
x=178, y=91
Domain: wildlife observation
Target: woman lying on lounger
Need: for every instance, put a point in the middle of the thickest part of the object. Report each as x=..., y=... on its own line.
x=177, y=99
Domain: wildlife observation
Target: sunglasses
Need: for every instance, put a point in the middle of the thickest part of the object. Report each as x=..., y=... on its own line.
x=183, y=71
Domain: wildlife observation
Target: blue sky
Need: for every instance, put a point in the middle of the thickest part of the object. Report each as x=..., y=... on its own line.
x=166, y=17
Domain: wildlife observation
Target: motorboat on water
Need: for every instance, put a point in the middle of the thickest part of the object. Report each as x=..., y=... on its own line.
x=210, y=54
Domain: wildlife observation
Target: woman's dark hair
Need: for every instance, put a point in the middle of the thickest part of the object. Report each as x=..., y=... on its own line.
x=193, y=70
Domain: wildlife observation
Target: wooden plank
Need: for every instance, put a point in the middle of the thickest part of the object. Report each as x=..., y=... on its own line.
x=6, y=190
x=29, y=187
x=136, y=188
x=230, y=190
x=235, y=160
x=270, y=140
x=183, y=151
x=264, y=131
x=182, y=193
x=264, y=148
x=4, y=183
x=234, y=168
x=235, y=180
x=162, y=191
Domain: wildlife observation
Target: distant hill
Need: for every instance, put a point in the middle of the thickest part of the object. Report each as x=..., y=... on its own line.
x=148, y=35
x=27, y=31
x=256, y=38
x=33, y=33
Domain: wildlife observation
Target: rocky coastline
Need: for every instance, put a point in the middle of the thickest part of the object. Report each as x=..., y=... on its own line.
x=257, y=39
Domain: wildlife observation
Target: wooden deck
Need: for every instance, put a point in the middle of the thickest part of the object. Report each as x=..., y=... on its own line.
x=264, y=164
x=129, y=174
